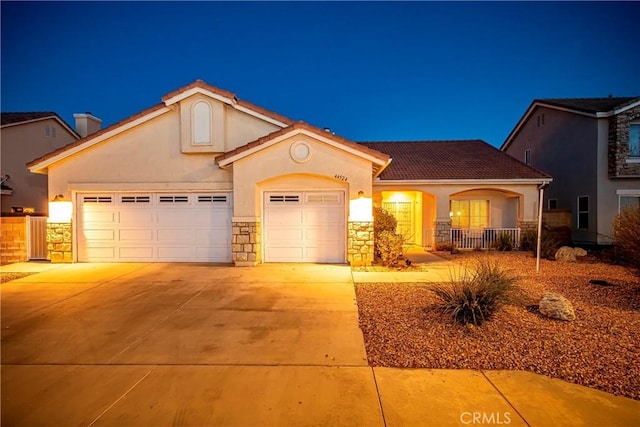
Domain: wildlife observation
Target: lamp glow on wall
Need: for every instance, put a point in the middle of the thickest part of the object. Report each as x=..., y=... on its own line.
x=60, y=210
x=361, y=209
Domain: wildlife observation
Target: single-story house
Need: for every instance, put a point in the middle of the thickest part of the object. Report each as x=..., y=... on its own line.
x=205, y=176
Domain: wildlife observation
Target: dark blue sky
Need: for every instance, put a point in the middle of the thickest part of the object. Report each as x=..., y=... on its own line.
x=370, y=71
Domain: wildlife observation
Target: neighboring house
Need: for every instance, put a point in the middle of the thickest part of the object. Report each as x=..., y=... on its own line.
x=204, y=176
x=26, y=136
x=591, y=147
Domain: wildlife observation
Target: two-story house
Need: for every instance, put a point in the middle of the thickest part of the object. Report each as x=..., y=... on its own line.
x=26, y=136
x=591, y=147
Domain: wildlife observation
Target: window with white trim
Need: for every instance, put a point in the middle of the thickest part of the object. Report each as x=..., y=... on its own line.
x=583, y=212
x=527, y=156
x=634, y=140
x=472, y=214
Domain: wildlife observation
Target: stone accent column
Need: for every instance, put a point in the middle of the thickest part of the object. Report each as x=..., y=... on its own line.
x=442, y=231
x=360, y=243
x=246, y=247
x=526, y=226
x=59, y=246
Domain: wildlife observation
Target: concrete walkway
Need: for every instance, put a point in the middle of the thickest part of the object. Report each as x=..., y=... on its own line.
x=196, y=344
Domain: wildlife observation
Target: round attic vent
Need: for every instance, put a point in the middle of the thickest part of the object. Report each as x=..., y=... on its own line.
x=300, y=152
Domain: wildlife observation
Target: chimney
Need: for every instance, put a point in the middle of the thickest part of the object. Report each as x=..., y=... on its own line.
x=86, y=124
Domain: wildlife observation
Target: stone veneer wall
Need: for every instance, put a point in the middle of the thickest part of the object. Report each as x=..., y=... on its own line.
x=360, y=243
x=59, y=242
x=245, y=244
x=13, y=242
x=619, y=145
x=442, y=231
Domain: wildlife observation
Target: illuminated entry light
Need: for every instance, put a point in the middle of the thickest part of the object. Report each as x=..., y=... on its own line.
x=361, y=209
x=60, y=210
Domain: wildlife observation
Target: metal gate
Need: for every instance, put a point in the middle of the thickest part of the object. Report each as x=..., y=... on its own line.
x=36, y=237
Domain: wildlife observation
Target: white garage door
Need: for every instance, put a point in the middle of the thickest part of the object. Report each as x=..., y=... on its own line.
x=304, y=227
x=175, y=227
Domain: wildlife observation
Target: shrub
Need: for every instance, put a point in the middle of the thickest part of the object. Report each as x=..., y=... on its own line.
x=387, y=244
x=383, y=221
x=444, y=246
x=626, y=235
x=474, y=297
x=390, y=248
x=504, y=242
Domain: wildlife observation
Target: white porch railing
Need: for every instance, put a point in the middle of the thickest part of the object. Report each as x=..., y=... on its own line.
x=427, y=237
x=486, y=238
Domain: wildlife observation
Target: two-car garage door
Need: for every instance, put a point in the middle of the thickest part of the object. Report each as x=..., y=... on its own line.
x=154, y=227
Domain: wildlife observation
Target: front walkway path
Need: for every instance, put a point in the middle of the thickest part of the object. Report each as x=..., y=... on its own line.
x=196, y=344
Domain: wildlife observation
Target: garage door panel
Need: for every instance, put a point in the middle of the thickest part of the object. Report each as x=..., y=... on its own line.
x=136, y=217
x=167, y=253
x=100, y=253
x=277, y=237
x=143, y=235
x=98, y=234
x=280, y=216
x=313, y=235
x=319, y=216
x=324, y=252
x=155, y=227
x=91, y=216
x=286, y=254
x=135, y=253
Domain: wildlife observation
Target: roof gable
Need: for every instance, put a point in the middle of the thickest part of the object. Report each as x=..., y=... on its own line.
x=168, y=100
x=591, y=107
x=379, y=159
x=451, y=160
x=20, y=118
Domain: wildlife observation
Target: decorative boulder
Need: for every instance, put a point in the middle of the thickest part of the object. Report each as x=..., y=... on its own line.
x=580, y=252
x=565, y=254
x=556, y=306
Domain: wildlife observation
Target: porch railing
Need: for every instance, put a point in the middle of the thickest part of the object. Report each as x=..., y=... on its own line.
x=486, y=238
x=36, y=237
x=427, y=238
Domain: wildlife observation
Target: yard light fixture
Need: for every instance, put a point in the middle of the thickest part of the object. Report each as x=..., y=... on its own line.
x=361, y=209
x=60, y=210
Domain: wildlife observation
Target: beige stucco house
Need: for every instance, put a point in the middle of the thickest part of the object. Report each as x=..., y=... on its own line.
x=591, y=147
x=204, y=176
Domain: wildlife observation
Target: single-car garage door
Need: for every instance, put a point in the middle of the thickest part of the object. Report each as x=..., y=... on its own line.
x=304, y=227
x=176, y=227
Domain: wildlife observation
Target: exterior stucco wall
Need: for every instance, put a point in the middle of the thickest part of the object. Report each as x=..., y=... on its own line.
x=229, y=128
x=147, y=157
x=565, y=147
x=20, y=145
x=270, y=167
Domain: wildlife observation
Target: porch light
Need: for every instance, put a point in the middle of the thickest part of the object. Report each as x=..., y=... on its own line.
x=361, y=209
x=60, y=210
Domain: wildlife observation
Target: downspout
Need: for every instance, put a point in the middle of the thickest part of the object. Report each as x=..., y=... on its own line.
x=541, y=188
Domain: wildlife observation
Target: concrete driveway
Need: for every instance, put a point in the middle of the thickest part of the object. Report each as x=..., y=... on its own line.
x=163, y=344
x=203, y=345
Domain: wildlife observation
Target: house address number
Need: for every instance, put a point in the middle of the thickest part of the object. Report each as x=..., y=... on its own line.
x=341, y=177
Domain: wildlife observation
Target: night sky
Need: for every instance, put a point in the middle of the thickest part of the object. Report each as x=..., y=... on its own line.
x=368, y=70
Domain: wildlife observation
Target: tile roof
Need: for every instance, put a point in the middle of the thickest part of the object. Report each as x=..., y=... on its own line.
x=302, y=125
x=13, y=118
x=444, y=160
x=590, y=105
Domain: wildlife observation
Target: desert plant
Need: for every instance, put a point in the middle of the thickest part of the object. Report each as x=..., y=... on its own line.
x=549, y=244
x=474, y=296
x=444, y=246
x=626, y=235
x=389, y=247
x=383, y=220
x=503, y=242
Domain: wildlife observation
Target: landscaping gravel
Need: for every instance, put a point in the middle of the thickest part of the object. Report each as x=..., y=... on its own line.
x=403, y=326
x=7, y=277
